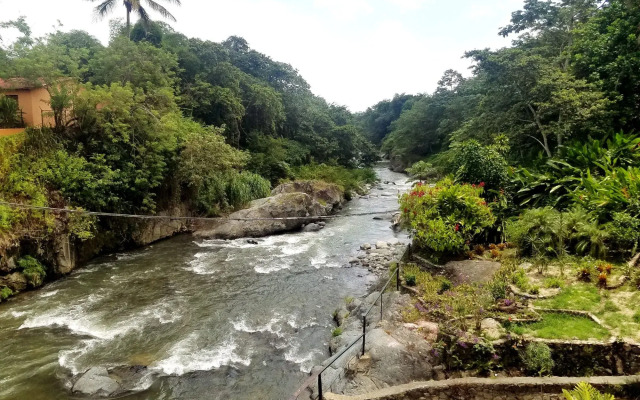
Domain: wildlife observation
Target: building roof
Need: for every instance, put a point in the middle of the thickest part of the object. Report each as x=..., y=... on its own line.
x=19, y=84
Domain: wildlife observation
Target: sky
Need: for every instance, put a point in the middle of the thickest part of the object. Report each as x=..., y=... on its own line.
x=351, y=52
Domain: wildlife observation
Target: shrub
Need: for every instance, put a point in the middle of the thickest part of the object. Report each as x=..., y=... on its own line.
x=445, y=217
x=625, y=232
x=5, y=293
x=495, y=253
x=521, y=280
x=548, y=232
x=479, y=249
x=553, y=283
x=445, y=285
x=602, y=279
x=584, y=274
x=537, y=358
x=585, y=391
x=350, y=180
x=245, y=187
x=9, y=112
x=475, y=163
x=32, y=270
x=410, y=280
x=498, y=288
x=422, y=171
x=336, y=332
x=636, y=317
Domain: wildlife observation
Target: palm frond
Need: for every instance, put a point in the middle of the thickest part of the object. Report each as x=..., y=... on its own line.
x=159, y=8
x=104, y=8
x=144, y=16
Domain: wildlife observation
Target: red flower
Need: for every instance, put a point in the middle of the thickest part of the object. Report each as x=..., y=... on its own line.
x=484, y=203
x=473, y=185
x=457, y=227
x=406, y=210
x=481, y=184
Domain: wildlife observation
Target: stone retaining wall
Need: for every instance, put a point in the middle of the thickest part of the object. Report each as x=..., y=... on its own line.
x=579, y=358
x=624, y=387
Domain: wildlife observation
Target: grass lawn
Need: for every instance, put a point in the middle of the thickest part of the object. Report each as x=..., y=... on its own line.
x=582, y=297
x=562, y=326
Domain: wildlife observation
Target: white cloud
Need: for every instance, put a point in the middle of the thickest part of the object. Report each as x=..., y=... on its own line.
x=352, y=52
x=345, y=10
x=409, y=5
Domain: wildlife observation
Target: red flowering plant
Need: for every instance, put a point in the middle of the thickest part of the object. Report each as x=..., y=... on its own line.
x=446, y=218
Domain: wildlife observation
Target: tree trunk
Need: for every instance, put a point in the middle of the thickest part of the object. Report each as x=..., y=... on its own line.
x=545, y=140
x=129, y=23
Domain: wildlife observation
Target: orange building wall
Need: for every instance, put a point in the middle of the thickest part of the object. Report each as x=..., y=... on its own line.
x=9, y=132
x=34, y=104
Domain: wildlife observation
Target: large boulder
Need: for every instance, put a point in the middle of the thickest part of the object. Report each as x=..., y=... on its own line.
x=394, y=361
x=16, y=281
x=254, y=221
x=328, y=195
x=96, y=382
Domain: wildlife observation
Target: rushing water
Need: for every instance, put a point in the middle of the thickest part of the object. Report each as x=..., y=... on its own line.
x=213, y=319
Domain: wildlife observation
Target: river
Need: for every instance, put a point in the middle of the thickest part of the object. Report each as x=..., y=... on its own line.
x=212, y=319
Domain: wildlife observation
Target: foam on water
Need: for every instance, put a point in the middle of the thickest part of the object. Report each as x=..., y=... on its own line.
x=200, y=266
x=79, y=324
x=305, y=360
x=243, y=326
x=188, y=356
x=267, y=269
x=49, y=294
x=18, y=314
x=69, y=358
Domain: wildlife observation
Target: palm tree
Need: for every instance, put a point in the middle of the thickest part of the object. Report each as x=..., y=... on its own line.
x=106, y=6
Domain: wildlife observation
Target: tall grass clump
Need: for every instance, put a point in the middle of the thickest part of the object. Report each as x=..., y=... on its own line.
x=349, y=179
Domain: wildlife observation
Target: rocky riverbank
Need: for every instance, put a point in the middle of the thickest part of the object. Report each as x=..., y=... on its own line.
x=61, y=253
x=395, y=352
x=298, y=204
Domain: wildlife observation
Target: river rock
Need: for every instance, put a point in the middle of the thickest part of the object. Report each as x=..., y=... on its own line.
x=365, y=246
x=312, y=228
x=279, y=206
x=96, y=381
x=382, y=245
x=492, y=329
x=326, y=194
x=395, y=363
x=16, y=281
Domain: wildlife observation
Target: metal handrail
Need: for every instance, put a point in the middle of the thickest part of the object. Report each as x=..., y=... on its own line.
x=363, y=336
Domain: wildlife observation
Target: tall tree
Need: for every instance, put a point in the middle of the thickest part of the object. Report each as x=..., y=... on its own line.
x=106, y=6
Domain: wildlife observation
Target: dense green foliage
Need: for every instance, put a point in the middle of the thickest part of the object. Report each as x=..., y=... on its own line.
x=550, y=123
x=32, y=270
x=447, y=217
x=9, y=113
x=351, y=180
x=537, y=358
x=584, y=391
x=156, y=120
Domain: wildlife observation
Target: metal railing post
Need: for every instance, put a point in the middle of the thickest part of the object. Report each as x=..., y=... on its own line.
x=320, y=385
x=364, y=332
